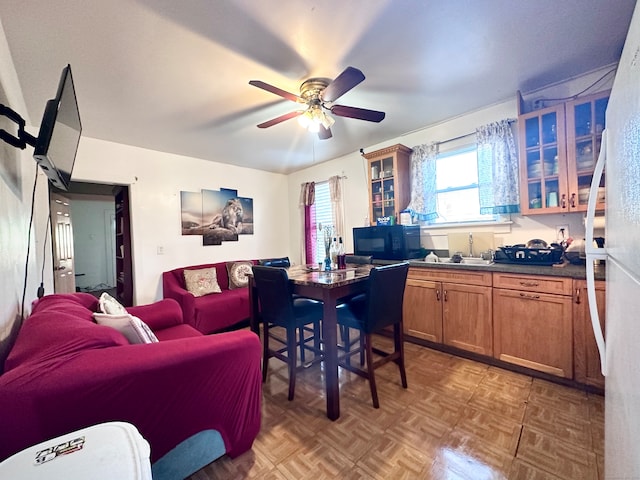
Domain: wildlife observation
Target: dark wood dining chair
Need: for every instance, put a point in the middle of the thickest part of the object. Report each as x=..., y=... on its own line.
x=358, y=259
x=279, y=308
x=275, y=262
x=380, y=306
x=354, y=260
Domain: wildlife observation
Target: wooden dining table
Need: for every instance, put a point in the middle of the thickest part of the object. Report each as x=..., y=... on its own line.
x=328, y=287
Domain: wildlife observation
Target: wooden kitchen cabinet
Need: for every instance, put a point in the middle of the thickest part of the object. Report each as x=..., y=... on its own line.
x=532, y=322
x=388, y=171
x=452, y=307
x=559, y=146
x=422, y=309
x=585, y=123
x=586, y=355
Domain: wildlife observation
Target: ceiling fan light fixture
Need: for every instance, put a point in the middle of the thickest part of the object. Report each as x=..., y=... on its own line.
x=313, y=117
x=306, y=119
x=327, y=120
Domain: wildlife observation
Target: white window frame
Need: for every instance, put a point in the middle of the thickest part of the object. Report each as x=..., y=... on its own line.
x=324, y=216
x=440, y=222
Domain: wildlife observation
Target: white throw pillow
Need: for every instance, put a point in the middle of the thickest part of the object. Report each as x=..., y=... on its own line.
x=134, y=329
x=237, y=272
x=202, y=281
x=110, y=305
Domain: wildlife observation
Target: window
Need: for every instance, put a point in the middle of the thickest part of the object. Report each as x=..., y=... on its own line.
x=323, y=216
x=457, y=187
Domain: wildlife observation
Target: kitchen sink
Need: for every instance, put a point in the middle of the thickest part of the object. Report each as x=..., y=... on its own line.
x=470, y=261
x=476, y=261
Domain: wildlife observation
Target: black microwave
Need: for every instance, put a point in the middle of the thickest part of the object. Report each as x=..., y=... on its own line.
x=394, y=242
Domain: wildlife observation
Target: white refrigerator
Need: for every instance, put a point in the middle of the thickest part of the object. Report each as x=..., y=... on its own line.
x=620, y=354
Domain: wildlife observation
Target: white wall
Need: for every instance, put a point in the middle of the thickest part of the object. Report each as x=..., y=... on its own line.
x=155, y=180
x=17, y=173
x=353, y=165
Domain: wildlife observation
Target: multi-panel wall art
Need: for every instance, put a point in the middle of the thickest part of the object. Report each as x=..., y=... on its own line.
x=217, y=215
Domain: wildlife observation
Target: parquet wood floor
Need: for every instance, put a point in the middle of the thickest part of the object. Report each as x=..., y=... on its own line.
x=458, y=419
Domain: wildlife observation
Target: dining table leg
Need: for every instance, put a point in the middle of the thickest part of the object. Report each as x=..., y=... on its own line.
x=330, y=342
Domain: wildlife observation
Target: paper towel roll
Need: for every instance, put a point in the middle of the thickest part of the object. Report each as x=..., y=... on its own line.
x=598, y=222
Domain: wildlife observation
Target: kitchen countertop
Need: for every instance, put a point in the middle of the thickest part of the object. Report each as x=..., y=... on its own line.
x=567, y=270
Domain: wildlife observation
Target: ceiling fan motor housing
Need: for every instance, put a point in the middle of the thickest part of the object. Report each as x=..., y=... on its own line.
x=311, y=89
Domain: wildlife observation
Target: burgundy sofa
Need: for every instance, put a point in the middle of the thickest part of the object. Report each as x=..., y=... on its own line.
x=189, y=395
x=210, y=313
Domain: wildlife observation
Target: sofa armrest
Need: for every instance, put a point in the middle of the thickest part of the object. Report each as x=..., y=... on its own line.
x=159, y=315
x=168, y=390
x=171, y=289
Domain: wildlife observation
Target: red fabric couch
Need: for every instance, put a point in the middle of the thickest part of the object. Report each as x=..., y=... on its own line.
x=66, y=372
x=210, y=313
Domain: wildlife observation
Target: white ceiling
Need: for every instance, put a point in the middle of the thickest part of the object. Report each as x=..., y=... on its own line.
x=173, y=75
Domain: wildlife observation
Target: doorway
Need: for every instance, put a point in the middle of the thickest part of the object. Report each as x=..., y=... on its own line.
x=93, y=213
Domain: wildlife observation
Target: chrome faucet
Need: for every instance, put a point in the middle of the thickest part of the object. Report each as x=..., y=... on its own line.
x=470, y=244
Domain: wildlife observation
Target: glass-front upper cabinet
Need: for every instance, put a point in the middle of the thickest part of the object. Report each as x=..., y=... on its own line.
x=559, y=147
x=585, y=124
x=542, y=161
x=388, y=182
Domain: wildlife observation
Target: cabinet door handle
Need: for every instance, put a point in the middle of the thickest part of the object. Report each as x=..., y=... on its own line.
x=437, y=295
x=573, y=200
x=532, y=297
x=577, y=296
x=525, y=283
x=445, y=295
x=563, y=201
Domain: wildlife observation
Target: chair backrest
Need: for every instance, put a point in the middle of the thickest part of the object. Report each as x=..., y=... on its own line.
x=274, y=293
x=275, y=262
x=359, y=259
x=385, y=296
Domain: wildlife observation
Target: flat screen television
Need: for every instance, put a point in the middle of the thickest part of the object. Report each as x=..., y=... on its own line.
x=60, y=129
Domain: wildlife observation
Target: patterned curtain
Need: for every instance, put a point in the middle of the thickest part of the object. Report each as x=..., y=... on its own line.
x=498, y=181
x=423, y=182
x=337, y=207
x=307, y=200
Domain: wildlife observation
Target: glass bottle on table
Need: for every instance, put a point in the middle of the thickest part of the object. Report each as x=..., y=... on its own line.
x=341, y=255
x=334, y=253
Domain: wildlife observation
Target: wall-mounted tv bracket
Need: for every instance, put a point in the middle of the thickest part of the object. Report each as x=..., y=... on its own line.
x=24, y=138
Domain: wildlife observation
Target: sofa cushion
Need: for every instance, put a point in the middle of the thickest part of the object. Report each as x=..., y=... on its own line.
x=218, y=312
x=238, y=274
x=110, y=305
x=202, y=281
x=58, y=328
x=134, y=329
x=178, y=331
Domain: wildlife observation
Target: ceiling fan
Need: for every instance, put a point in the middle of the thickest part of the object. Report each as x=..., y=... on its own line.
x=317, y=96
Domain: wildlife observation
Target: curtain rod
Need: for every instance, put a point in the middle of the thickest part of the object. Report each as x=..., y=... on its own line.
x=323, y=181
x=460, y=137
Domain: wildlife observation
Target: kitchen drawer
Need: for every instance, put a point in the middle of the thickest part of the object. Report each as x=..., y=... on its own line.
x=533, y=283
x=468, y=277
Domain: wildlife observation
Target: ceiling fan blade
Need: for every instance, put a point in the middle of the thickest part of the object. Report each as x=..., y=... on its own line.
x=281, y=118
x=276, y=90
x=359, y=113
x=342, y=84
x=324, y=133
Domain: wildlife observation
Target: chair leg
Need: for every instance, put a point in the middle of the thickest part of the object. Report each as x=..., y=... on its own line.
x=347, y=343
x=301, y=333
x=265, y=350
x=317, y=334
x=361, y=349
x=370, y=369
x=398, y=337
x=291, y=360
